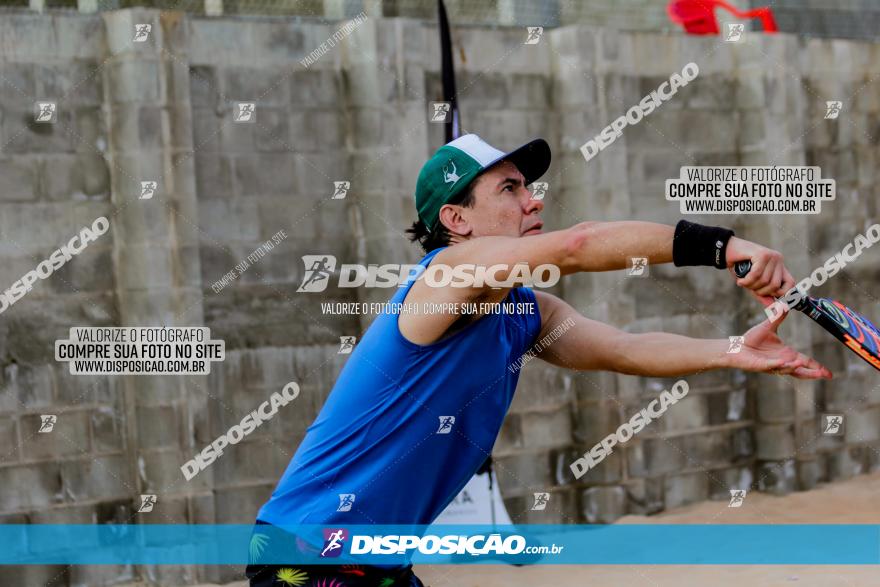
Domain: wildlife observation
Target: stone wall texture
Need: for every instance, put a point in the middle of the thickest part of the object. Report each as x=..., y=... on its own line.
x=162, y=110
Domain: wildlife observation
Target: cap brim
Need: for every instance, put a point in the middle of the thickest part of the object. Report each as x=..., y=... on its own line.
x=532, y=159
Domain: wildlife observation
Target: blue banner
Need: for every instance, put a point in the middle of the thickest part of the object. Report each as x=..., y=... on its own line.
x=624, y=544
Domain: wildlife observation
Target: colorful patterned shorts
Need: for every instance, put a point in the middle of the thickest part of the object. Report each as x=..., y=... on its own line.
x=330, y=576
x=296, y=575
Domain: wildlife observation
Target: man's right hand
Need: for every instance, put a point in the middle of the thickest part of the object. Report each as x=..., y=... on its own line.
x=768, y=277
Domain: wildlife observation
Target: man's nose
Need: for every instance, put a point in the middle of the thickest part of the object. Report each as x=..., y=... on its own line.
x=533, y=205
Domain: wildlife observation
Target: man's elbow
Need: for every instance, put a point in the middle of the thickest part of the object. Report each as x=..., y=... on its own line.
x=576, y=239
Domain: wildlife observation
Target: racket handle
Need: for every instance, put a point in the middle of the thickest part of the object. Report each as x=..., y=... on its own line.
x=742, y=268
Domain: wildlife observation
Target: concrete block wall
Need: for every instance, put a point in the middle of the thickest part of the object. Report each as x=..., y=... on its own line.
x=849, y=150
x=55, y=180
x=754, y=104
x=844, y=19
x=163, y=111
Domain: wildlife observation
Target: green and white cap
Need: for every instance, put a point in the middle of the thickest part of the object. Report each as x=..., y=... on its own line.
x=456, y=164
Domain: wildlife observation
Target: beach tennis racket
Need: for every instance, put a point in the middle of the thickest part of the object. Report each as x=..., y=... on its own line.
x=847, y=325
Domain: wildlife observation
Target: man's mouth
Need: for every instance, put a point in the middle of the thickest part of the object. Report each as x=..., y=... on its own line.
x=535, y=229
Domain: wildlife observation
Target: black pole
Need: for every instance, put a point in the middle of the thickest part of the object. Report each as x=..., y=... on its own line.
x=447, y=74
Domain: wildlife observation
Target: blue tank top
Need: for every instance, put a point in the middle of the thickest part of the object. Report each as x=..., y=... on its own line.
x=383, y=449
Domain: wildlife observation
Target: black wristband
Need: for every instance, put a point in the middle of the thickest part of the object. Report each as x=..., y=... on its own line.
x=695, y=244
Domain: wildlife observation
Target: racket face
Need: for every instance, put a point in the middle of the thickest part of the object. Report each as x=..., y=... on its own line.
x=851, y=328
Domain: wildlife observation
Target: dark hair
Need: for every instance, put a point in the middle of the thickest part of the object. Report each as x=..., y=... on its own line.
x=439, y=237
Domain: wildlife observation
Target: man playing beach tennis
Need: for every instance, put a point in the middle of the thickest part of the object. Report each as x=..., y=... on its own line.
x=418, y=406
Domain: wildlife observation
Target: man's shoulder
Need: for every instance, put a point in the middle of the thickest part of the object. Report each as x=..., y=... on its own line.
x=547, y=304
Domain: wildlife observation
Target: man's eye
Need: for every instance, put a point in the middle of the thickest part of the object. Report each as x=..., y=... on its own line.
x=507, y=187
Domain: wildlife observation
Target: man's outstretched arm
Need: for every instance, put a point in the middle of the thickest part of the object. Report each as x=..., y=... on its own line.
x=608, y=246
x=587, y=246
x=584, y=344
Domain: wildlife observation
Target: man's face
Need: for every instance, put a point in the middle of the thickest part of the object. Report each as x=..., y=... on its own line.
x=502, y=205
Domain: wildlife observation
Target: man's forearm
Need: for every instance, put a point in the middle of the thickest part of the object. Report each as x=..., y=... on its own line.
x=660, y=354
x=608, y=246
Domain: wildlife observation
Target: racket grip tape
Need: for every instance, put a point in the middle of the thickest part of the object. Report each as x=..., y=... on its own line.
x=742, y=268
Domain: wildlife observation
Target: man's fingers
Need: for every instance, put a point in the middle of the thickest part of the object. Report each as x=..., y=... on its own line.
x=804, y=373
x=788, y=282
x=752, y=276
x=773, y=364
x=772, y=286
x=803, y=367
x=814, y=365
x=774, y=325
x=768, y=276
x=791, y=366
x=760, y=286
x=807, y=373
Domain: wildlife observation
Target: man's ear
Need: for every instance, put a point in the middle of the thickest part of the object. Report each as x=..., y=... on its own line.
x=456, y=224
